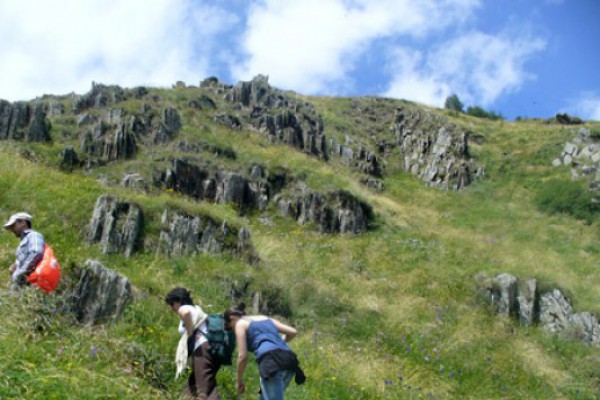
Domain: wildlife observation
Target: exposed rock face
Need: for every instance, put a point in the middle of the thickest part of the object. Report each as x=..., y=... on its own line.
x=184, y=234
x=100, y=295
x=582, y=154
x=335, y=212
x=555, y=311
x=357, y=155
x=284, y=118
x=207, y=183
x=98, y=97
x=21, y=121
x=111, y=138
x=550, y=309
x=115, y=225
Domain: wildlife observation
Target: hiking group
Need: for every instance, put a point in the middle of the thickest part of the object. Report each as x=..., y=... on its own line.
x=209, y=340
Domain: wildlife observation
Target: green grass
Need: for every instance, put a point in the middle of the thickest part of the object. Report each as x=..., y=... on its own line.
x=392, y=313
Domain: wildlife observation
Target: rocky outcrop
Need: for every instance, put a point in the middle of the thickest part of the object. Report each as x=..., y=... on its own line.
x=100, y=295
x=111, y=137
x=433, y=149
x=582, y=154
x=98, y=97
x=21, y=121
x=334, y=212
x=183, y=234
x=115, y=225
x=358, y=156
x=550, y=309
x=286, y=119
x=208, y=183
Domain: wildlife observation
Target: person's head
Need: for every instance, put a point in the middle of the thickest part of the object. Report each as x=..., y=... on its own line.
x=18, y=223
x=179, y=297
x=233, y=314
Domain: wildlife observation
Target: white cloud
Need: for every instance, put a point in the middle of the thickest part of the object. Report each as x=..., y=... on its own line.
x=476, y=66
x=587, y=106
x=62, y=46
x=312, y=45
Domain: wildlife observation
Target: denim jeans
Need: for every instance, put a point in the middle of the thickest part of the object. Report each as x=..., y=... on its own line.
x=272, y=388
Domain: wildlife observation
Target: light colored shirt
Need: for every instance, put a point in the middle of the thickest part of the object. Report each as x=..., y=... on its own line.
x=29, y=254
x=197, y=315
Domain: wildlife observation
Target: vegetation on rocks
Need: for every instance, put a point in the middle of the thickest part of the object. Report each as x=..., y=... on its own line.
x=392, y=311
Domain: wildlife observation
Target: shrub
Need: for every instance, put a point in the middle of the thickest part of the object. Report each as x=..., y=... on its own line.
x=567, y=197
x=454, y=104
x=481, y=113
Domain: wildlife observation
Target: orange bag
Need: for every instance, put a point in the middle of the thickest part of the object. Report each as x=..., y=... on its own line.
x=47, y=273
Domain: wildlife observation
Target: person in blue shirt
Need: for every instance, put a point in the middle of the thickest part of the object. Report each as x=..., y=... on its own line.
x=30, y=251
x=262, y=336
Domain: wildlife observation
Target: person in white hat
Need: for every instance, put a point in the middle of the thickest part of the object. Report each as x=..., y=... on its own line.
x=31, y=248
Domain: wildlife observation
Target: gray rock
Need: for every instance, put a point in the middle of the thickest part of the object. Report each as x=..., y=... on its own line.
x=586, y=328
x=504, y=294
x=100, y=295
x=115, y=225
x=555, y=311
x=527, y=302
x=133, y=181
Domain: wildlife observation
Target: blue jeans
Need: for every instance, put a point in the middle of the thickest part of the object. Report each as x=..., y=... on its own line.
x=272, y=388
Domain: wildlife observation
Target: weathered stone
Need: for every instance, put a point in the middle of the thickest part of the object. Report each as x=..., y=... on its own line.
x=586, y=328
x=555, y=311
x=334, y=212
x=133, y=181
x=20, y=121
x=183, y=234
x=98, y=97
x=433, y=149
x=100, y=295
x=504, y=294
x=527, y=302
x=115, y=225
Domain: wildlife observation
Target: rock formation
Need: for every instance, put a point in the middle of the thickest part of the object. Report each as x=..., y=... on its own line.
x=22, y=121
x=183, y=234
x=100, y=295
x=115, y=225
x=549, y=309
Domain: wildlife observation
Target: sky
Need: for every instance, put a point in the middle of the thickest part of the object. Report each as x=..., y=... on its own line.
x=518, y=58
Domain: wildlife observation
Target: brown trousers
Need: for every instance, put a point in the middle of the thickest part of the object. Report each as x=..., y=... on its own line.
x=202, y=382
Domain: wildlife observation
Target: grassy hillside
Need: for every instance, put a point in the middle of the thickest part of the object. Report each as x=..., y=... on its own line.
x=393, y=313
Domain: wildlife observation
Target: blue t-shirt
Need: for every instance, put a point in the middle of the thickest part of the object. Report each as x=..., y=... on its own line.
x=263, y=336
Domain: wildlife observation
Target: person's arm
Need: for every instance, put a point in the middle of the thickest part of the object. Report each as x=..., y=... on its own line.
x=240, y=335
x=34, y=252
x=287, y=330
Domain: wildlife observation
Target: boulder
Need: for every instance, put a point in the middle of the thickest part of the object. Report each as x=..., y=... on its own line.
x=555, y=311
x=528, y=302
x=100, y=295
x=69, y=159
x=586, y=328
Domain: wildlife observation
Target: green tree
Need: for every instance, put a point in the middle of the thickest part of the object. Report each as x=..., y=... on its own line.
x=453, y=103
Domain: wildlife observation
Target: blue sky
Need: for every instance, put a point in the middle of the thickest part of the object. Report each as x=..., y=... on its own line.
x=528, y=58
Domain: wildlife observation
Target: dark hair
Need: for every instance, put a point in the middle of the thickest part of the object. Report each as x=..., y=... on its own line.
x=237, y=311
x=28, y=223
x=179, y=295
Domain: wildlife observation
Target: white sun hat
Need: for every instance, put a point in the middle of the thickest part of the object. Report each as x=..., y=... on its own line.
x=15, y=217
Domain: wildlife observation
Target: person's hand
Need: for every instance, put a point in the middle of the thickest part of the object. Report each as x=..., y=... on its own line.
x=241, y=388
x=12, y=268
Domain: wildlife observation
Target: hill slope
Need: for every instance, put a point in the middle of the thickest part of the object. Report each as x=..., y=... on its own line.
x=357, y=236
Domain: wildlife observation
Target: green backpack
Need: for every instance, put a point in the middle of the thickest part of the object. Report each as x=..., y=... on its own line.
x=222, y=341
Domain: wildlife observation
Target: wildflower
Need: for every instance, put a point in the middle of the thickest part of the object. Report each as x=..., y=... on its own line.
x=400, y=377
x=93, y=351
x=408, y=349
x=427, y=358
x=451, y=374
x=388, y=382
